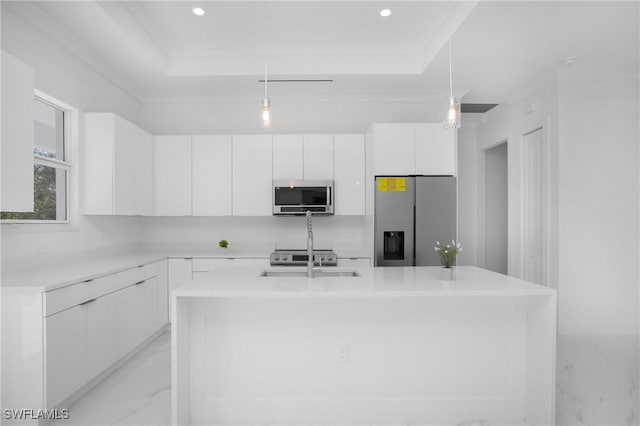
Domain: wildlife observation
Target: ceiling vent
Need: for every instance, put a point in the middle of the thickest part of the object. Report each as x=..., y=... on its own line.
x=477, y=108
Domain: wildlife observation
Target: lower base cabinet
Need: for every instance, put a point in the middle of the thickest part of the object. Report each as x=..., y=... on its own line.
x=66, y=353
x=102, y=333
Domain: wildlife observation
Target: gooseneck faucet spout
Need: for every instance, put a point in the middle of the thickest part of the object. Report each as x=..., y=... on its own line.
x=309, y=246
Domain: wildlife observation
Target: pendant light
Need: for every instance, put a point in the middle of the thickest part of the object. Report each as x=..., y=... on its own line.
x=266, y=102
x=452, y=118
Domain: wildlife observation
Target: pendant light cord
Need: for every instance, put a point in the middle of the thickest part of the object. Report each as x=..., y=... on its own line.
x=450, y=67
x=266, y=47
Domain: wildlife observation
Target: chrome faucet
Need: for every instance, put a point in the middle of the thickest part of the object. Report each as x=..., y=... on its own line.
x=309, y=246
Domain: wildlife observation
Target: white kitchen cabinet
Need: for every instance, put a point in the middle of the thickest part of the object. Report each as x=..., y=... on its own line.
x=163, y=293
x=318, y=157
x=413, y=148
x=150, y=322
x=436, y=150
x=252, y=175
x=180, y=272
x=117, y=166
x=143, y=153
x=17, y=135
x=349, y=174
x=131, y=317
x=66, y=349
x=172, y=175
x=102, y=333
x=288, y=157
x=211, y=186
x=394, y=149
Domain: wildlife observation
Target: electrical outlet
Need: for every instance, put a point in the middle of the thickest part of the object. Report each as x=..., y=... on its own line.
x=342, y=354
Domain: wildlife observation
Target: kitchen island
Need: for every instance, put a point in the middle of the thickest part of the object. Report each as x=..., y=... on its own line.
x=392, y=346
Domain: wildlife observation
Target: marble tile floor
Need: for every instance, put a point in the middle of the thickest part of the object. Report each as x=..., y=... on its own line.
x=597, y=384
x=138, y=393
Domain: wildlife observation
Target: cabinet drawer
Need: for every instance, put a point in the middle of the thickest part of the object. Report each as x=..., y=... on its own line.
x=67, y=297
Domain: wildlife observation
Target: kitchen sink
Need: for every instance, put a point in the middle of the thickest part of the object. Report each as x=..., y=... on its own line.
x=317, y=273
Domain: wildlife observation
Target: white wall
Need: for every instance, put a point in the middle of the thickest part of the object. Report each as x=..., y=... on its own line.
x=592, y=232
x=598, y=210
x=242, y=115
x=341, y=233
x=62, y=75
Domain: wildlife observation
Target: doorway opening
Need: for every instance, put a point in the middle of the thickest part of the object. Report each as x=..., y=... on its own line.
x=496, y=205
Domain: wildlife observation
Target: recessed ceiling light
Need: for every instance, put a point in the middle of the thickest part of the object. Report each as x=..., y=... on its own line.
x=385, y=12
x=198, y=11
x=570, y=60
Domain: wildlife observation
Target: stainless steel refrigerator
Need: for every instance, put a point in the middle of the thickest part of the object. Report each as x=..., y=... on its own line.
x=411, y=214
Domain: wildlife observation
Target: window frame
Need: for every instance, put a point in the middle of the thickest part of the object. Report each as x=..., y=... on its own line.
x=54, y=162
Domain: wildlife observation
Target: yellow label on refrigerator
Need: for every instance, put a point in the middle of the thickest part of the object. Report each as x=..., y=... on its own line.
x=392, y=184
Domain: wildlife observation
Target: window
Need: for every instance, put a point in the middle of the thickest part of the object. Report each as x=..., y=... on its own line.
x=50, y=167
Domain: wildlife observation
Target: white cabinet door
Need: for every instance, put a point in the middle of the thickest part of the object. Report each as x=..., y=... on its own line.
x=144, y=173
x=435, y=150
x=394, y=149
x=318, y=157
x=124, y=167
x=349, y=174
x=150, y=307
x=66, y=353
x=172, y=175
x=252, y=175
x=17, y=135
x=118, y=164
x=163, y=293
x=180, y=273
x=212, y=160
x=131, y=318
x=102, y=333
x=288, y=157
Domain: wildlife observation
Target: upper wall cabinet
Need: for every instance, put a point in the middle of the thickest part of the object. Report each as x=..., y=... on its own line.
x=318, y=157
x=349, y=166
x=288, y=157
x=17, y=135
x=252, y=175
x=436, y=150
x=211, y=186
x=406, y=149
x=117, y=166
x=172, y=175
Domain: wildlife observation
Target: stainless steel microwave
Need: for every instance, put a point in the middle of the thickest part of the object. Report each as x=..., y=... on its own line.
x=295, y=197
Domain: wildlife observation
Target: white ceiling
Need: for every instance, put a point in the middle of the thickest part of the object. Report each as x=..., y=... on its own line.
x=160, y=49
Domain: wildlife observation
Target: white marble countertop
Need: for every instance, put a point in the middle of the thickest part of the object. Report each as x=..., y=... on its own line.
x=373, y=282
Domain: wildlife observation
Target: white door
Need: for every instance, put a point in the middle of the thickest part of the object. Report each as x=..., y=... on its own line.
x=180, y=272
x=131, y=316
x=533, y=207
x=435, y=150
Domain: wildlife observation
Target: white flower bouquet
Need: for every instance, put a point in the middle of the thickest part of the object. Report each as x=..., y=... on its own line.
x=448, y=253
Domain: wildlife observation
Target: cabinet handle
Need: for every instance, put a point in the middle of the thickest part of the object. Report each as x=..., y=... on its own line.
x=87, y=281
x=88, y=301
x=140, y=266
x=139, y=282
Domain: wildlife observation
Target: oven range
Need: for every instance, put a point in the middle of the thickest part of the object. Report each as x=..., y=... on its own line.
x=283, y=257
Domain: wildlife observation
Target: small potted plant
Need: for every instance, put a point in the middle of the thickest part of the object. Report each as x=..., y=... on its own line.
x=224, y=245
x=448, y=255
